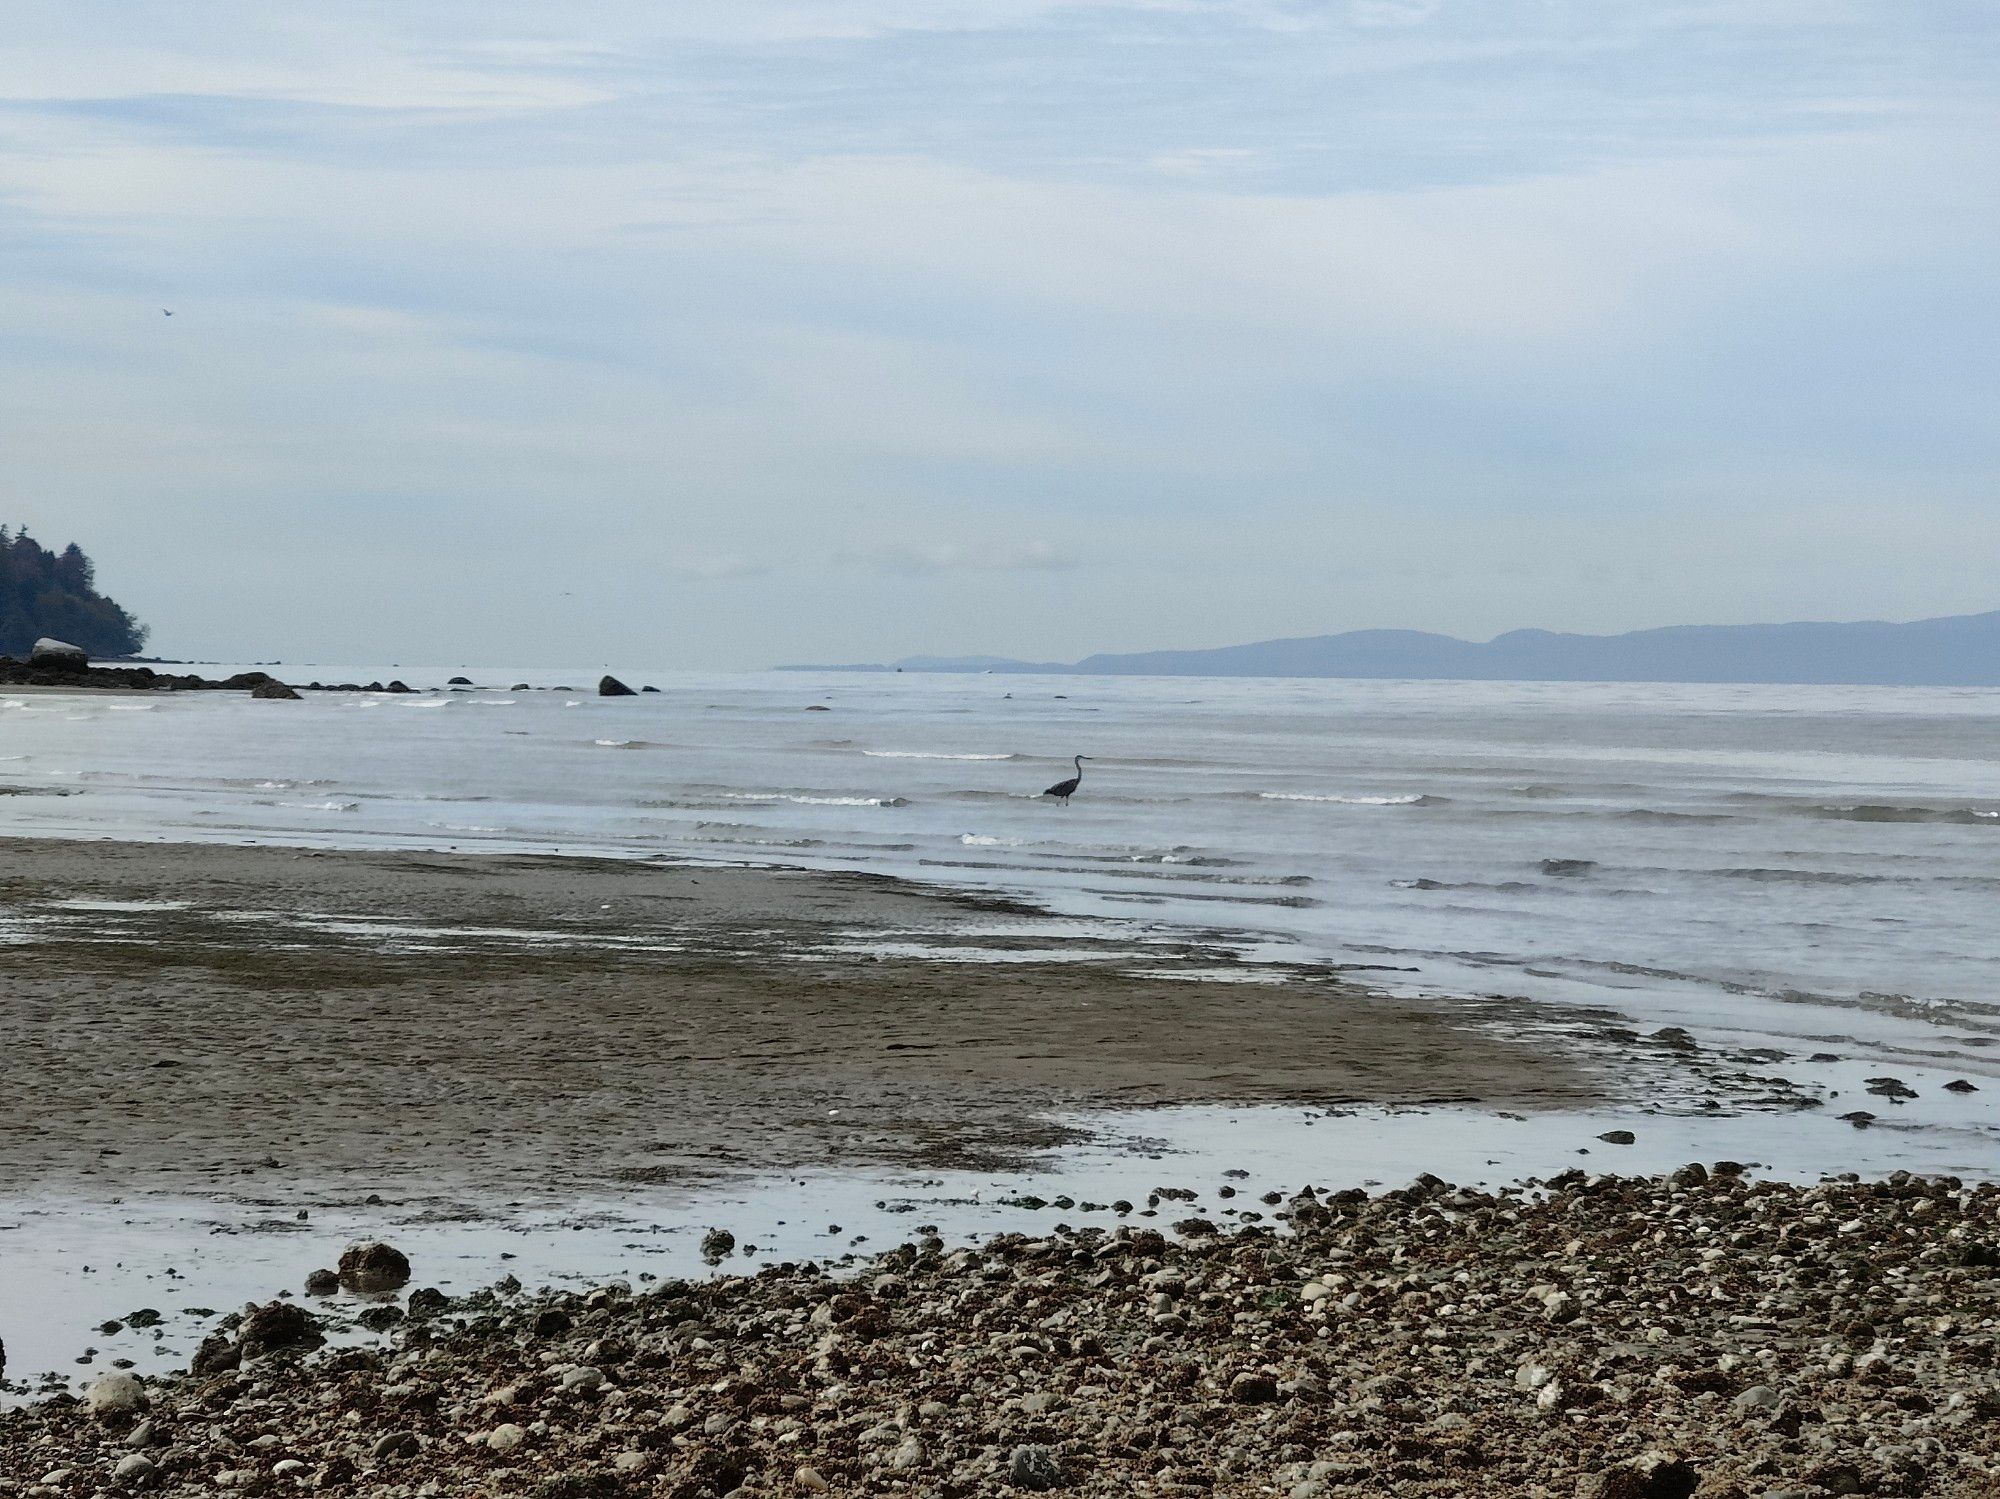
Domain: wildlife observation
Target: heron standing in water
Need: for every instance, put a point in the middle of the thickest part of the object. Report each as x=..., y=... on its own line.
x=1062, y=791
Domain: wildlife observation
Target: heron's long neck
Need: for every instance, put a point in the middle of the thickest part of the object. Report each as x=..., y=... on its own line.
x=1079, y=767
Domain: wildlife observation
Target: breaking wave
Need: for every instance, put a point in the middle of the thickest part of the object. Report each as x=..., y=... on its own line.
x=1812, y=876
x=928, y=755
x=1353, y=801
x=815, y=801
x=1882, y=812
x=1891, y=812
x=1505, y=887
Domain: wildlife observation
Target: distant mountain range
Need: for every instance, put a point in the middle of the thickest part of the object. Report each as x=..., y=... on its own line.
x=1958, y=651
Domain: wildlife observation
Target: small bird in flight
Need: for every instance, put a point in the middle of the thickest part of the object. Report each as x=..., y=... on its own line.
x=166, y=312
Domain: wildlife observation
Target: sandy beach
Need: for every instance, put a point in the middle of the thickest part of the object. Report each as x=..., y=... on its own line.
x=192, y=1018
x=265, y=1043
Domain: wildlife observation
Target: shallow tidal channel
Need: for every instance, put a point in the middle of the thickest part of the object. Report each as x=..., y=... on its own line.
x=165, y=1268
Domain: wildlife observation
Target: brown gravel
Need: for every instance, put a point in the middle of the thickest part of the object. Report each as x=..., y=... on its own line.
x=1606, y=1338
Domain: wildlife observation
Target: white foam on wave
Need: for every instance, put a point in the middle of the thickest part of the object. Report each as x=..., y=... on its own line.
x=986, y=840
x=814, y=801
x=436, y=702
x=1349, y=801
x=322, y=806
x=927, y=755
x=493, y=702
x=132, y=707
x=619, y=743
x=80, y=903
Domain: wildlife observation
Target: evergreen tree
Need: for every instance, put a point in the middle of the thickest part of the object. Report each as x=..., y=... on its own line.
x=55, y=594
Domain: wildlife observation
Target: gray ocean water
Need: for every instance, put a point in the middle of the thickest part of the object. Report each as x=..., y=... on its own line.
x=1792, y=862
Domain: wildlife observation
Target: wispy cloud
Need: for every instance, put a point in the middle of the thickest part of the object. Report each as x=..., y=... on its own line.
x=920, y=560
x=722, y=567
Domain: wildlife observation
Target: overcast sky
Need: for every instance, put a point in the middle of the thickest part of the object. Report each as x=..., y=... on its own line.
x=726, y=332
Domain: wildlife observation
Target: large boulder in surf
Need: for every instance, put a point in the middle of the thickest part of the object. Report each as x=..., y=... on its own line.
x=612, y=687
x=59, y=654
x=276, y=690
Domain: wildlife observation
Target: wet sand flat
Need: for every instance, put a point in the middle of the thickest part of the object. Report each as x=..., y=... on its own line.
x=200, y=1018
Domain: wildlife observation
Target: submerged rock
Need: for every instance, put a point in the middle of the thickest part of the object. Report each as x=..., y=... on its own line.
x=374, y=1267
x=274, y=692
x=716, y=1243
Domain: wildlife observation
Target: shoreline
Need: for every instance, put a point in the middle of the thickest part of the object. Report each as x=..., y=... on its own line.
x=220, y=1061
x=1433, y=1340
x=575, y=1062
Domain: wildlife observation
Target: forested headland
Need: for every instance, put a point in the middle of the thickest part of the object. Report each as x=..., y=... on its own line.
x=55, y=594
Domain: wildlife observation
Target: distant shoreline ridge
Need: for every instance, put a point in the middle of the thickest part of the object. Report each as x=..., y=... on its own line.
x=1953, y=651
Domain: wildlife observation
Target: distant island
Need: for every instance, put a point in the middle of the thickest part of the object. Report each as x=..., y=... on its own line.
x=54, y=594
x=1957, y=651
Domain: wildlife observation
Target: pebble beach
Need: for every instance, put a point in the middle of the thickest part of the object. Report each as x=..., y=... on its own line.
x=1700, y=1334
